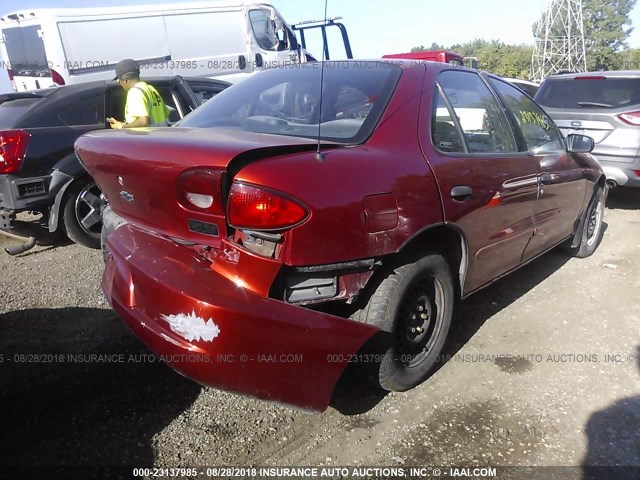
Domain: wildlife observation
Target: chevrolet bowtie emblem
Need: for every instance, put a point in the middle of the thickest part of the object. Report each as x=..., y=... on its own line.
x=126, y=196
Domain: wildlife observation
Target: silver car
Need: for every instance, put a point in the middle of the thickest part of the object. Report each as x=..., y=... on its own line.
x=530, y=88
x=606, y=107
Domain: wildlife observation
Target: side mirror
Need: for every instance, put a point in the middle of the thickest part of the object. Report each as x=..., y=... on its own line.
x=579, y=143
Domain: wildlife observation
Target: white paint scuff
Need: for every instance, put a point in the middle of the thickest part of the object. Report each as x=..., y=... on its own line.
x=191, y=327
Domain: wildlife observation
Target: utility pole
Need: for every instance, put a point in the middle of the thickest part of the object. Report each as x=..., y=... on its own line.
x=559, y=40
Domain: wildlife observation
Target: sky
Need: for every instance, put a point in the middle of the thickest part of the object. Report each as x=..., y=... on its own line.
x=377, y=27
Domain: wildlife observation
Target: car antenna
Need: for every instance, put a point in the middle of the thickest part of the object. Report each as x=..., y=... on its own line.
x=319, y=155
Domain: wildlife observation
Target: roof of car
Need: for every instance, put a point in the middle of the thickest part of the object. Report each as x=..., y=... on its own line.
x=421, y=55
x=607, y=74
x=519, y=80
x=79, y=88
x=411, y=63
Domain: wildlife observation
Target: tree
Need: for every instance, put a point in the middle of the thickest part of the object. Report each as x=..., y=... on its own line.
x=629, y=59
x=493, y=56
x=434, y=46
x=607, y=27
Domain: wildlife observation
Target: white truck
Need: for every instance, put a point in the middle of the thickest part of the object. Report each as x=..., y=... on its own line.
x=221, y=38
x=6, y=85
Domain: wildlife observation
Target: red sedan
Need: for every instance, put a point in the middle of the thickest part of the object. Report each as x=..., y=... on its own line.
x=311, y=216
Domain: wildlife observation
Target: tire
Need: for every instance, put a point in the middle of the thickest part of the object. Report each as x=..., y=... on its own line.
x=417, y=287
x=81, y=214
x=592, y=231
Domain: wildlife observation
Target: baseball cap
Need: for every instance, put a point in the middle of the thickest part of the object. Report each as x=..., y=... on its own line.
x=128, y=65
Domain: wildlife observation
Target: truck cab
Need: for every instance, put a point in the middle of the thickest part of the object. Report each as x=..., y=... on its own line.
x=228, y=39
x=443, y=56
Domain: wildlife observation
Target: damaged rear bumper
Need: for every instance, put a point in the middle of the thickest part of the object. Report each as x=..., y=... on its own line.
x=213, y=327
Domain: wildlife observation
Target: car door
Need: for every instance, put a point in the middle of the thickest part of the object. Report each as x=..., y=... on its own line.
x=205, y=89
x=562, y=179
x=55, y=126
x=488, y=187
x=115, y=100
x=190, y=93
x=183, y=94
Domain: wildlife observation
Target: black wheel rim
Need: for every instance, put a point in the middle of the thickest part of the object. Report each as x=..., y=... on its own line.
x=88, y=210
x=419, y=321
x=595, y=221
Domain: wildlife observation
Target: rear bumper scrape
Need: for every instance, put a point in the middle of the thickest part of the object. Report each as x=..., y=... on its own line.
x=219, y=333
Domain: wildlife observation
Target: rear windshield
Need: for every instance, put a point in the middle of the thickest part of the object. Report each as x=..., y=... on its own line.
x=590, y=92
x=25, y=48
x=286, y=101
x=11, y=111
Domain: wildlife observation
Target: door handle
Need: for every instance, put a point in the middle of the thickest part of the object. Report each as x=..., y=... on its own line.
x=545, y=178
x=461, y=192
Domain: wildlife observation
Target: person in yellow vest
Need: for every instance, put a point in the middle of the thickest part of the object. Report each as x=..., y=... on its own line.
x=144, y=106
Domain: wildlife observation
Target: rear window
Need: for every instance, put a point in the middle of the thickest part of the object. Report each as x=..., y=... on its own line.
x=286, y=101
x=592, y=92
x=89, y=111
x=11, y=111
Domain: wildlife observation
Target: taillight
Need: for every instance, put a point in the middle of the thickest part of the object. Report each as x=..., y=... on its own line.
x=56, y=77
x=10, y=72
x=256, y=208
x=199, y=190
x=13, y=146
x=631, y=118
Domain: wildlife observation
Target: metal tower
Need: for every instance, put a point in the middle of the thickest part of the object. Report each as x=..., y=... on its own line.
x=559, y=40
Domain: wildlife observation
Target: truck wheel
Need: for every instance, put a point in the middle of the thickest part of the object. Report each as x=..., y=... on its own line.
x=82, y=216
x=592, y=231
x=414, y=302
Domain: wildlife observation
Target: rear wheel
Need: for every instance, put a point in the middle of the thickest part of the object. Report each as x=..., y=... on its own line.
x=414, y=302
x=592, y=231
x=82, y=216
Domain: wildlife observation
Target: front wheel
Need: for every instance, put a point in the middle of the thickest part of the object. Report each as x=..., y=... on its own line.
x=592, y=231
x=82, y=215
x=414, y=302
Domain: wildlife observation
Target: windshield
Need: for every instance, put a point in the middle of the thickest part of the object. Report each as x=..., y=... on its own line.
x=286, y=101
x=26, y=52
x=589, y=92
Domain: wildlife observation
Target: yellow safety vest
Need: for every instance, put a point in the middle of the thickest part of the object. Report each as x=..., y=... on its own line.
x=158, y=112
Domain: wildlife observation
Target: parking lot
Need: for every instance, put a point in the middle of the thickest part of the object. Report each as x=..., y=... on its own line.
x=543, y=368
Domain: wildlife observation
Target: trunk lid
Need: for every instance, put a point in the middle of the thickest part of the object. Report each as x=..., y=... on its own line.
x=138, y=171
x=597, y=125
x=614, y=140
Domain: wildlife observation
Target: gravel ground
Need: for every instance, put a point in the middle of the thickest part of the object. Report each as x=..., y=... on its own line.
x=553, y=398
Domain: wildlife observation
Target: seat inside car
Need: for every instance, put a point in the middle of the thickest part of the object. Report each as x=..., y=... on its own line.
x=445, y=137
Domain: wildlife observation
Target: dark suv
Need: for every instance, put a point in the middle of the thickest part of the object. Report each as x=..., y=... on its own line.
x=606, y=107
x=39, y=171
